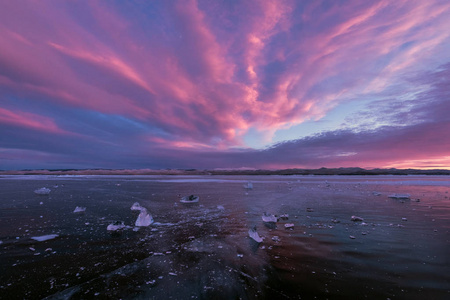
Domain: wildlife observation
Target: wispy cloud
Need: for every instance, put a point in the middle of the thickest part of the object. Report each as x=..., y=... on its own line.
x=160, y=82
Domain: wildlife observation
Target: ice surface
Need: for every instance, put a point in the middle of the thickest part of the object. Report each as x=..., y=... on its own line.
x=268, y=218
x=144, y=218
x=254, y=235
x=400, y=196
x=44, y=237
x=189, y=199
x=79, y=209
x=42, y=191
x=118, y=225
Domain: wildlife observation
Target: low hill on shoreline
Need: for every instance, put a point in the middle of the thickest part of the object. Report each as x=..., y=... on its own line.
x=321, y=171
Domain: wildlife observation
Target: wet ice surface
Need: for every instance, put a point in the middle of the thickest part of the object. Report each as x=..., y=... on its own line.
x=399, y=250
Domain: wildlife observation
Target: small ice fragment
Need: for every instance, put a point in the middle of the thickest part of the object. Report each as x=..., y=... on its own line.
x=40, y=203
x=136, y=206
x=144, y=218
x=254, y=235
x=220, y=207
x=376, y=193
x=352, y=237
x=44, y=237
x=400, y=196
x=42, y=191
x=289, y=225
x=404, y=219
x=79, y=209
x=48, y=250
x=268, y=218
x=240, y=255
x=276, y=238
x=284, y=216
x=308, y=209
x=248, y=185
x=32, y=249
x=357, y=219
x=118, y=225
x=189, y=199
x=172, y=273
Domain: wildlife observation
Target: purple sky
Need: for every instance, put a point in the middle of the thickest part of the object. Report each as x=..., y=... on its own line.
x=224, y=84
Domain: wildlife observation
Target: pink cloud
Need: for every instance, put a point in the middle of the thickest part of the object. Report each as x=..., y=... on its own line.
x=202, y=74
x=29, y=120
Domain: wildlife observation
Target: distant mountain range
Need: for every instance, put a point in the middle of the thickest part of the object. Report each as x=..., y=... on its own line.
x=321, y=171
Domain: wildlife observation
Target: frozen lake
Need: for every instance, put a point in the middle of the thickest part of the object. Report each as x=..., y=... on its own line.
x=401, y=249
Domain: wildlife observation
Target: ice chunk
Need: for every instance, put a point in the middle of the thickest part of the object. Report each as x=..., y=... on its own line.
x=42, y=191
x=144, y=218
x=44, y=237
x=136, y=206
x=220, y=207
x=289, y=225
x=268, y=218
x=189, y=199
x=254, y=235
x=400, y=196
x=284, y=216
x=276, y=238
x=79, y=209
x=357, y=219
x=248, y=185
x=118, y=225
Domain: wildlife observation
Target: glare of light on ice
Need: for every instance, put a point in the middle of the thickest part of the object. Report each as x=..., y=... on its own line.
x=44, y=237
x=42, y=191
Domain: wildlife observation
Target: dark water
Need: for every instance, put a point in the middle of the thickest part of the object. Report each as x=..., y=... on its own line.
x=203, y=251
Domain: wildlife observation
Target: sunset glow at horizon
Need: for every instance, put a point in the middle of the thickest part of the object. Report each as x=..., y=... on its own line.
x=224, y=84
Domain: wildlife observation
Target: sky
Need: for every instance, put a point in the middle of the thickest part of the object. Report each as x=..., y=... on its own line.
x=224, y=84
